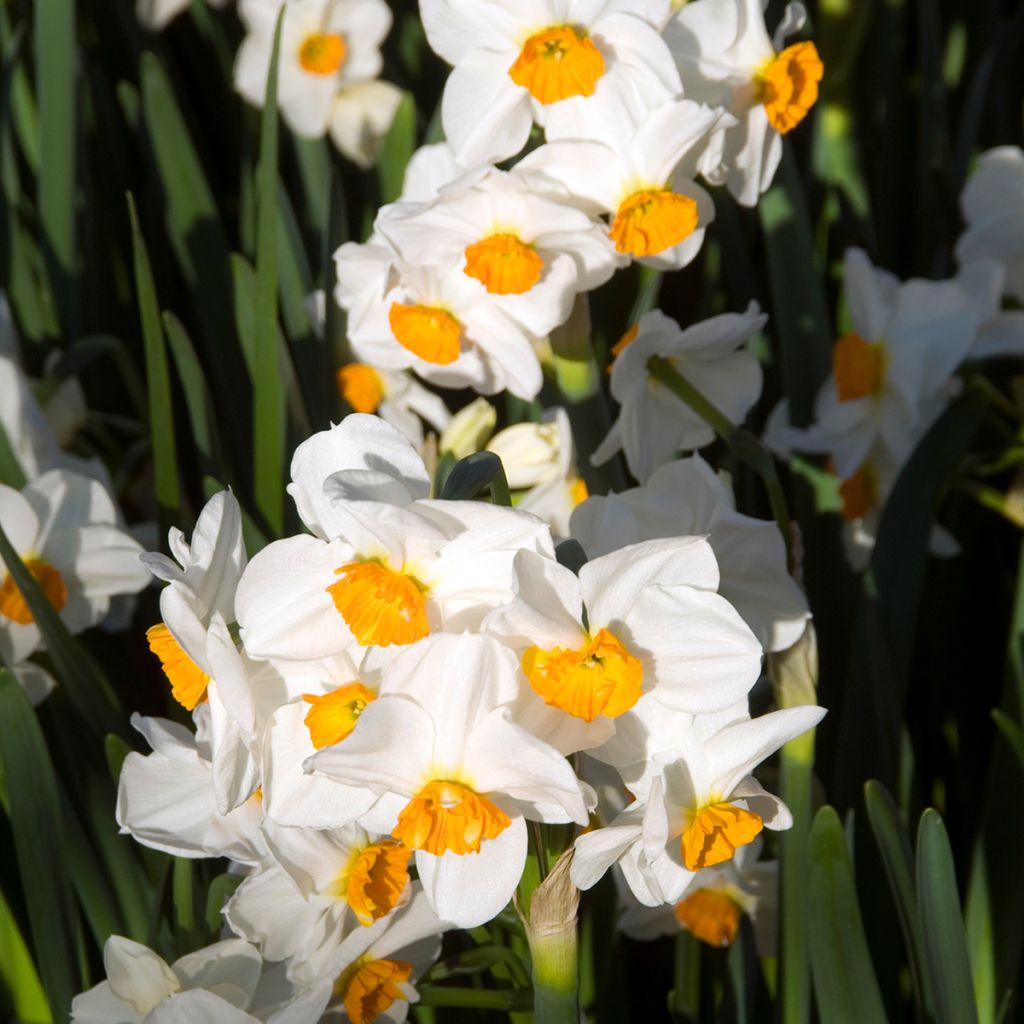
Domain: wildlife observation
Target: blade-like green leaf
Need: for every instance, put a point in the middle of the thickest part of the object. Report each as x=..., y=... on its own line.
x=897, y=857
x=21, y=992
x=220, y=891
x=86, y=686
x=56, y=68
x=396, y=150
x=39, y=844
x=11, y=472
x=845, y=986
x=268, y=393
x=947, y=967
x=201, y=415
x=158, y=381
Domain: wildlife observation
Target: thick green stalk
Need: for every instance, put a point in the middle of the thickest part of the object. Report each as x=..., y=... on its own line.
x=477, y=998
x=550, y=922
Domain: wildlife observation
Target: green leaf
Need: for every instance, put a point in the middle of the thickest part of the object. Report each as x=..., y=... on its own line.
x=268, y=404
x=86, y=686
x=21, y=992
x=396, y=150
x=845, y=986
x=39, y=844
x=198, y=242
x=158, y=381
x=56, y=66
x=947, y=967
x=897, y=857
x=116, y=749
x=198, y=402
x=1014, y=733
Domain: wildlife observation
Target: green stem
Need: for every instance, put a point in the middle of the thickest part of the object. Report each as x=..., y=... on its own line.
x=555, y=976
x=684, y=999
x=477, y=998
x=744, y=445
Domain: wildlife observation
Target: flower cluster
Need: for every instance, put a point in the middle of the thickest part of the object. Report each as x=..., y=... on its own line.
x=384, y=703
x=471, y=270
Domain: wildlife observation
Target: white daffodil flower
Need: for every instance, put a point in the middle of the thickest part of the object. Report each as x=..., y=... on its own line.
x=326, y=46
x=375, y=975
x=654, y=424
x=393, y=576
x=640, y=173
x=686, y=497
x=701, y=805
x=440, y=324
x=319, y=886
x=993, y=207
x=455, y=775
x=892, y=374
x=226, y=983
x=155, y=15
x=201, y=584
x=64, y=528
x=166, y=799
x=641, y=623
x=546, y=61
x=516, y=236
x=713, y=905
x=727, y=59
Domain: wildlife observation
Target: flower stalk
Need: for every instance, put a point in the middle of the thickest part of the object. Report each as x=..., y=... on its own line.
x=550, y=922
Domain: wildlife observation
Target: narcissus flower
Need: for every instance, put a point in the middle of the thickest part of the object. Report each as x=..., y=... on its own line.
x=326, y=45
x=699, y=805
x=712, y=907
x=640, y=173
x=993, y=207
x=643, y=621
x=200, y=584
x=687, y=497
x=892, y=373
x=167, y=801
x=654, y=423
x=227, y=982
x=516, y=235
x=155, y=15
x=360, y=118
x=455, y=775
x=727, y=59
x=548, y=61
x=316, y=889
x=64, y=528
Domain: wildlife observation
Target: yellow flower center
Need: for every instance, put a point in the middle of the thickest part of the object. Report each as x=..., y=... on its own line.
x=188, y=681
x=334, y=715
x=504, y=264
x=448, y=816
x=578, y=492
x=711, y=916
x=858, y=493
x=653, y=220
x=627, y=339
x=379, y=605
x=322, y=53
x=859, y=366
x=429, y=332
x=601, y=678
x=13, y=605
x=716, y=832
x=558, y=63
x=789, y=85
x=361, y=386
x=377, y=879
x=369, y=987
